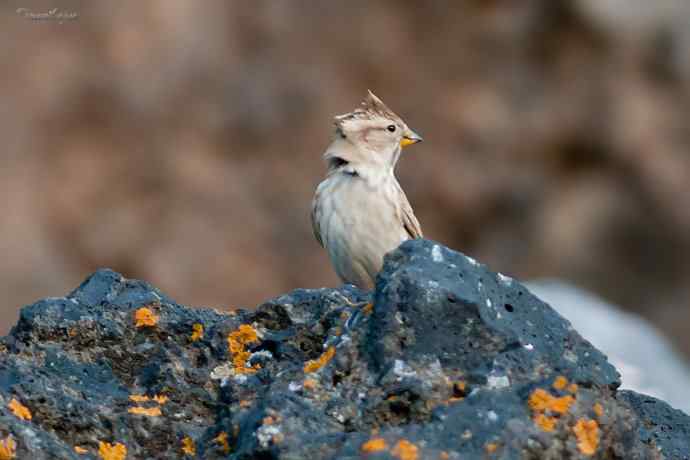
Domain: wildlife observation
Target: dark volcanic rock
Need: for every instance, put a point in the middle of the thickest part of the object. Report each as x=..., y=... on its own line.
x=449, y=361
x=664, y=426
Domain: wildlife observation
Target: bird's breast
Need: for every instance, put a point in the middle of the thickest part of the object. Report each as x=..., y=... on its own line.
x=359, y=223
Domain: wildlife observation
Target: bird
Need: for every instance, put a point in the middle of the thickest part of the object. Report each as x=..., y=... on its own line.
x=359, y=211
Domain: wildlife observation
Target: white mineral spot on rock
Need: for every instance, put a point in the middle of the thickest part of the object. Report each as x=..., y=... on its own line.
x=240, y=378
x=433, y=284
x=344, y=340
x=401, y=369
x=472, y=261
x=294, y=386
x=265, y=353
x=266, y=433
x=570, y=356
x=435, y=367
x=436, y=255
x=529, y=347
x=505, y=280
x=488, y=303
x=222, y=371
x=498, y=381
x=492, y=416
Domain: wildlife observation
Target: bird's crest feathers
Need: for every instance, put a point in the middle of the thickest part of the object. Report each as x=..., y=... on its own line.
x=371, y=107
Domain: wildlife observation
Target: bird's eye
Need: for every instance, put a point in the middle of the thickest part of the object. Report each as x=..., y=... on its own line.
x=391, y=128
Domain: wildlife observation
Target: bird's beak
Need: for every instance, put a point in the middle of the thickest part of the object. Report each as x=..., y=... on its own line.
x=409, y=138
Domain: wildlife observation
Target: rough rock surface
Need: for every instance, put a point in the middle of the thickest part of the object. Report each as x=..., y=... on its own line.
x=447, y=360
x=631, y=343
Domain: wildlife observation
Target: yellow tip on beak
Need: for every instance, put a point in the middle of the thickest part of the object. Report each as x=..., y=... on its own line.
x=410, y=138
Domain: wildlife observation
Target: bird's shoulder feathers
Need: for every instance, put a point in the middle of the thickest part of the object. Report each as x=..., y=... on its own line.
x=406, y=214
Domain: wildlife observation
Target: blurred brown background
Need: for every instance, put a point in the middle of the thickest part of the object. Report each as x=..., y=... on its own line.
x=180, y=142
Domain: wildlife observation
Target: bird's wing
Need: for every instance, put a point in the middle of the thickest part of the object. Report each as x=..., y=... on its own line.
x=316, y=216
x=407, y=216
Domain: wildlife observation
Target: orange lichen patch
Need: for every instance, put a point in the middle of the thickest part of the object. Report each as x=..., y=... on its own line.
x=80, y=450
x=197, y=332
x=560, y=382
x=109, y=451
x=587, y=433
x=539, y=399
x=160, y=399
x=598, y=409
x=542, y=400
x=368, y=308
x=374, y=445
x=148, y=411
x=222, y=439
x=244, y=403
x=572, y=388
x=8, y=448
x=145, y=317
x=544, y=422
x=19, y=409
x=237, y=341
x=316, y=364
x=562, y=404
x=405, y=450
x=444, y=455
x=491, y=447
x=244, y=335
x=188, y=447
x=309, y=384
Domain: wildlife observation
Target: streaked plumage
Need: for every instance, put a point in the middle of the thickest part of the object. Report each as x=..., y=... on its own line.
x=359, y=211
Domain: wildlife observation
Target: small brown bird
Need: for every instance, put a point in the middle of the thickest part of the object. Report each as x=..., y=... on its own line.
x=360, y=212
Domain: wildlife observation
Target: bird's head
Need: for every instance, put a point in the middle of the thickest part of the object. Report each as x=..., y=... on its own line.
x=375, y=132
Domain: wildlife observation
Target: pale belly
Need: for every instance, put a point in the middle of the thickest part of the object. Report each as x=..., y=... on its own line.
x=359, y=225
